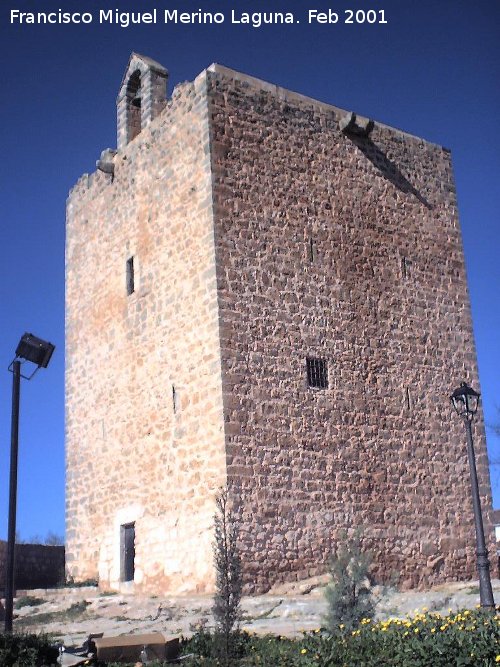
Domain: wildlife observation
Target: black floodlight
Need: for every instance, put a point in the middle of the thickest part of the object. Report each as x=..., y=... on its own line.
x=38, y=352
x=34, y=349
x=465, y=401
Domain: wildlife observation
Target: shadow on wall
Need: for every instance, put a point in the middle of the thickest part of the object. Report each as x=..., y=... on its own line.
x=36, y=565
x=388, y=169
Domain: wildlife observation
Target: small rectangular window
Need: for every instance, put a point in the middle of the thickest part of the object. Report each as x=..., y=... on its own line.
x=317, y=373
x=130, y=276
x=405, y=267
x=408, y=398
x=312, y=250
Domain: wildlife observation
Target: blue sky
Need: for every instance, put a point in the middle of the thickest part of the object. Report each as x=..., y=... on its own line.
x=432, y=70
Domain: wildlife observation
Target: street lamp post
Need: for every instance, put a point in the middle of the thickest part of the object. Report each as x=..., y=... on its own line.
x=38, y=352
x=466, y=401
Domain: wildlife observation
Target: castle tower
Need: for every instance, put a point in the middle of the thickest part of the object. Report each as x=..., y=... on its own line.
x=268, y=292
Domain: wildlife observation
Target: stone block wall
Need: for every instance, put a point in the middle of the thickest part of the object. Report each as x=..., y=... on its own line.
x=145, y=441
x=348, y=249
x=36, y=566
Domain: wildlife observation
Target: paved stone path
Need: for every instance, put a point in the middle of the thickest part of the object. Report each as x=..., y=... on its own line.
x=72, y=613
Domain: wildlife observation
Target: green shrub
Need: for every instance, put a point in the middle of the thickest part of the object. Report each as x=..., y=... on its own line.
x=71, y=583
x=349, y=595
x=77, y=608
x=28, y=601
x=26, y=651
x=228, y=582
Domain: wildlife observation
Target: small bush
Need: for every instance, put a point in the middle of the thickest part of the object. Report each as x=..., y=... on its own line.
x=26, y=651
x=71, y=583
x=77, y=608
x=28, y=601
x=228, y=583
x=349, y=595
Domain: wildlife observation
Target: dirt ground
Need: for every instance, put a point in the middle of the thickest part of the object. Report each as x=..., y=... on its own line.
x=71, y=614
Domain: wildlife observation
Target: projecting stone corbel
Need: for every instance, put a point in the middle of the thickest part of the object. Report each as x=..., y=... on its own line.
x=106, y=161
x=351, y=124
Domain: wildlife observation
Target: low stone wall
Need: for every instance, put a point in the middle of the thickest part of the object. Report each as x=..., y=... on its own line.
x=36, y=565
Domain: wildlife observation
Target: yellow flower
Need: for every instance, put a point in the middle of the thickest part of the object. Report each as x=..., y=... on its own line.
x=304, y=650
x=341, y=626
x=497, y=659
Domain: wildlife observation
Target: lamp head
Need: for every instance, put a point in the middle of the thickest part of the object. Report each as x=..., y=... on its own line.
x=465, y=401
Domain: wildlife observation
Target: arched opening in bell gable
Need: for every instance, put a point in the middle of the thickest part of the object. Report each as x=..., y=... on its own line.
x=134, y=100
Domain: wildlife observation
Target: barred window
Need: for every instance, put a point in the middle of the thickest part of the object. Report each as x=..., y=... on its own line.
x=317, y=373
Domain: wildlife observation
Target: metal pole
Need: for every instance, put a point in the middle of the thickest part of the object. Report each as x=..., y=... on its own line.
x=483, y=564
x=11, y=537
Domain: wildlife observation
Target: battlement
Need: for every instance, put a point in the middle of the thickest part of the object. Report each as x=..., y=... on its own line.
x=154, y=79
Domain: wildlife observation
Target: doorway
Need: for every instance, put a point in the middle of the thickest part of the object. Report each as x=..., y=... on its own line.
x=127, y=551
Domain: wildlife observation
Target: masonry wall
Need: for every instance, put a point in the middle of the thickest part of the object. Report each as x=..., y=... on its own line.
x=382, y=296
x=145, y=439
x=35, y=565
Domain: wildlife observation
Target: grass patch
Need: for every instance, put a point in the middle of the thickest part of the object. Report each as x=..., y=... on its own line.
x=265, y=614
x=71, y=614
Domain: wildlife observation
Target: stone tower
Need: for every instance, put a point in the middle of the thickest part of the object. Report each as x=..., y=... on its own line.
x=266, y=292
